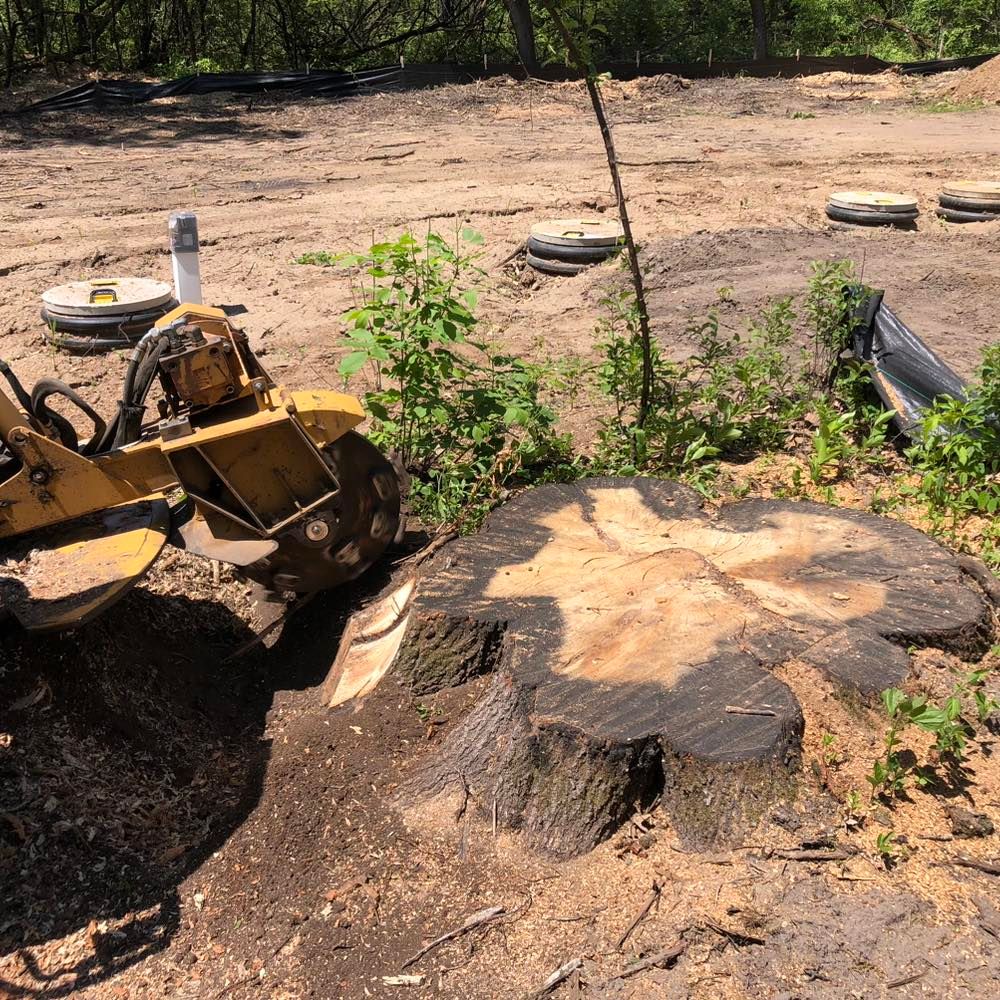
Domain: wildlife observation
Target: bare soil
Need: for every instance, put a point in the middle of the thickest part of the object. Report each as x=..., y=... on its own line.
x=176, y=825
x=981, y=84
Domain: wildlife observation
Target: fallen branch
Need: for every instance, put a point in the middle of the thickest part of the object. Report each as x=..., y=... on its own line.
x=654, y=895
x=658, y=961
x=653, y=163
x=980, y=866
x=476, y=920
x=737, y=937
x=737, y=710
x=390, y=156
x=906, y=980
x=807, y=855
x=520, y=248
x=563, y=972
x=432, y=546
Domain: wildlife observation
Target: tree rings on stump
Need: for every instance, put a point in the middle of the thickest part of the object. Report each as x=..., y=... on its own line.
x=632, y=638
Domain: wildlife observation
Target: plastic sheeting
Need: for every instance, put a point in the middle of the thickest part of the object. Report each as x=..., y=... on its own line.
x=907, y=374
x=105, y=93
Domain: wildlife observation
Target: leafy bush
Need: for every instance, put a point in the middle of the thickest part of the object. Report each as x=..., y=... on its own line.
x=957, y=450
x=740, y=395
x=948, y=723
x=735, y=396
x=464, y=419
x=832, y=293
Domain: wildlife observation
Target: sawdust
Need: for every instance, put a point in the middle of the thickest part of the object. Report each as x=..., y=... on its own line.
x=980, y=84
x=840, y=86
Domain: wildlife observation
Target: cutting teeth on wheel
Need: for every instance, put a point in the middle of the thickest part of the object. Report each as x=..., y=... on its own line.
x=385, y=485
x=348, y=554
x=382, y=527
x=363, y=519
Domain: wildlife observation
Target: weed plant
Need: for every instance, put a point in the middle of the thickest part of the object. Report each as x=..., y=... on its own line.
x=464, y=419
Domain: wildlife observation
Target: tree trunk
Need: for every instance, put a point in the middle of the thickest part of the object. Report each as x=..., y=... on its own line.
x=759, y=11
x=633, y=639
x=524, y=33
x=248, y=53
x=10, y=44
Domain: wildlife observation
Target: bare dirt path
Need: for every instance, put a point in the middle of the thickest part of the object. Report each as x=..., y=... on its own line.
x=733, y=198
x=175, y=826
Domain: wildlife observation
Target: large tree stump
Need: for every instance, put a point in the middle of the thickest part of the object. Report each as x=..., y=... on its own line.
x=633, y=638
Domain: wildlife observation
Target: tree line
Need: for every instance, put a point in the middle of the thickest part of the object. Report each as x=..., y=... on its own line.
x=172, y=37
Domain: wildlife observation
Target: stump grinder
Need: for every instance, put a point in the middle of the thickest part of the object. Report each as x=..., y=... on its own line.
x=235, y=468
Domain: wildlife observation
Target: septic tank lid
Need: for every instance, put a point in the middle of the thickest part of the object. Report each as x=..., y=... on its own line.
x=579, y=232
x=106, y=297
x=973, y=190
x=873, y=201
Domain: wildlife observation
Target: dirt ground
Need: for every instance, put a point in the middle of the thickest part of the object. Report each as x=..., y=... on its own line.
x=175, y=825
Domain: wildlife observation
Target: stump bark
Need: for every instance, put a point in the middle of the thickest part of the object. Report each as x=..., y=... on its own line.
x=632, y=638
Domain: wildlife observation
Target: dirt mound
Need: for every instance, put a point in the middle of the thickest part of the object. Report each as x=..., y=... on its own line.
x=981, y=84
x=840, y=86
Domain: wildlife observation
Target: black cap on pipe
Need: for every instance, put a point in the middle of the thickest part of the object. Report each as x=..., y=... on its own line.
x=183, y=232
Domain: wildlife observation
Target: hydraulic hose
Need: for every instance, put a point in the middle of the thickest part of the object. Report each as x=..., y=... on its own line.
x=47, y=387
x=139, y=374
x=15, y=384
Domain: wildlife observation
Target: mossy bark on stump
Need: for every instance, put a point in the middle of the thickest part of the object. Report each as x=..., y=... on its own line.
x=632, y=638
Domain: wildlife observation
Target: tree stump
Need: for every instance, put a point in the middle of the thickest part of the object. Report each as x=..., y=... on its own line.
x=632, y=637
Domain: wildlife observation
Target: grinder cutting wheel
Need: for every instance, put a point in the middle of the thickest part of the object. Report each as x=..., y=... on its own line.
x=235, y=468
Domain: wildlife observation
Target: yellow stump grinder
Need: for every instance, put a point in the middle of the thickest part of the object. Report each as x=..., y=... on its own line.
x=234, y=468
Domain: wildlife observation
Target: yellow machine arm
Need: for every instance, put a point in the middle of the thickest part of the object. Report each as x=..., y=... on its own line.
x=266, y=479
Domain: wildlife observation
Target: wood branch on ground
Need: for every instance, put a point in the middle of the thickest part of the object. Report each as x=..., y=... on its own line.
x=654, y=895
x=633, y=640
x=560, y=974
x=806, y=855
x=658, y=961
x=986, y=867
x=476, y=920
x=736, y=936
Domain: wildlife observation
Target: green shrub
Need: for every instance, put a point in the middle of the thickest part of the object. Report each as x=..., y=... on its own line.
x=957, y=450
x=464, y=419
x=737, y=395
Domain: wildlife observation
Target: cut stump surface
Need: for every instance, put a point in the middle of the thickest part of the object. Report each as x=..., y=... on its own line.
x=633, y=638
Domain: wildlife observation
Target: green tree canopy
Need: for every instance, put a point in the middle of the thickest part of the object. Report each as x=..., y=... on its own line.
x=170, y=37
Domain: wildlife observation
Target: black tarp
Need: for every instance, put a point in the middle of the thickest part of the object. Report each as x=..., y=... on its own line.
x=906, y=373
x=319, y=83
x=336, y=84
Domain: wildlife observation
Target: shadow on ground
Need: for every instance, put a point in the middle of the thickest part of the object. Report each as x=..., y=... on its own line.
x=129, y=752
x=206, y=120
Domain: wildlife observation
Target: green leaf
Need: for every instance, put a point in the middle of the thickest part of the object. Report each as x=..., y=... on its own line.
x=352, y=363
x=928, y=718
x=892, y=698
